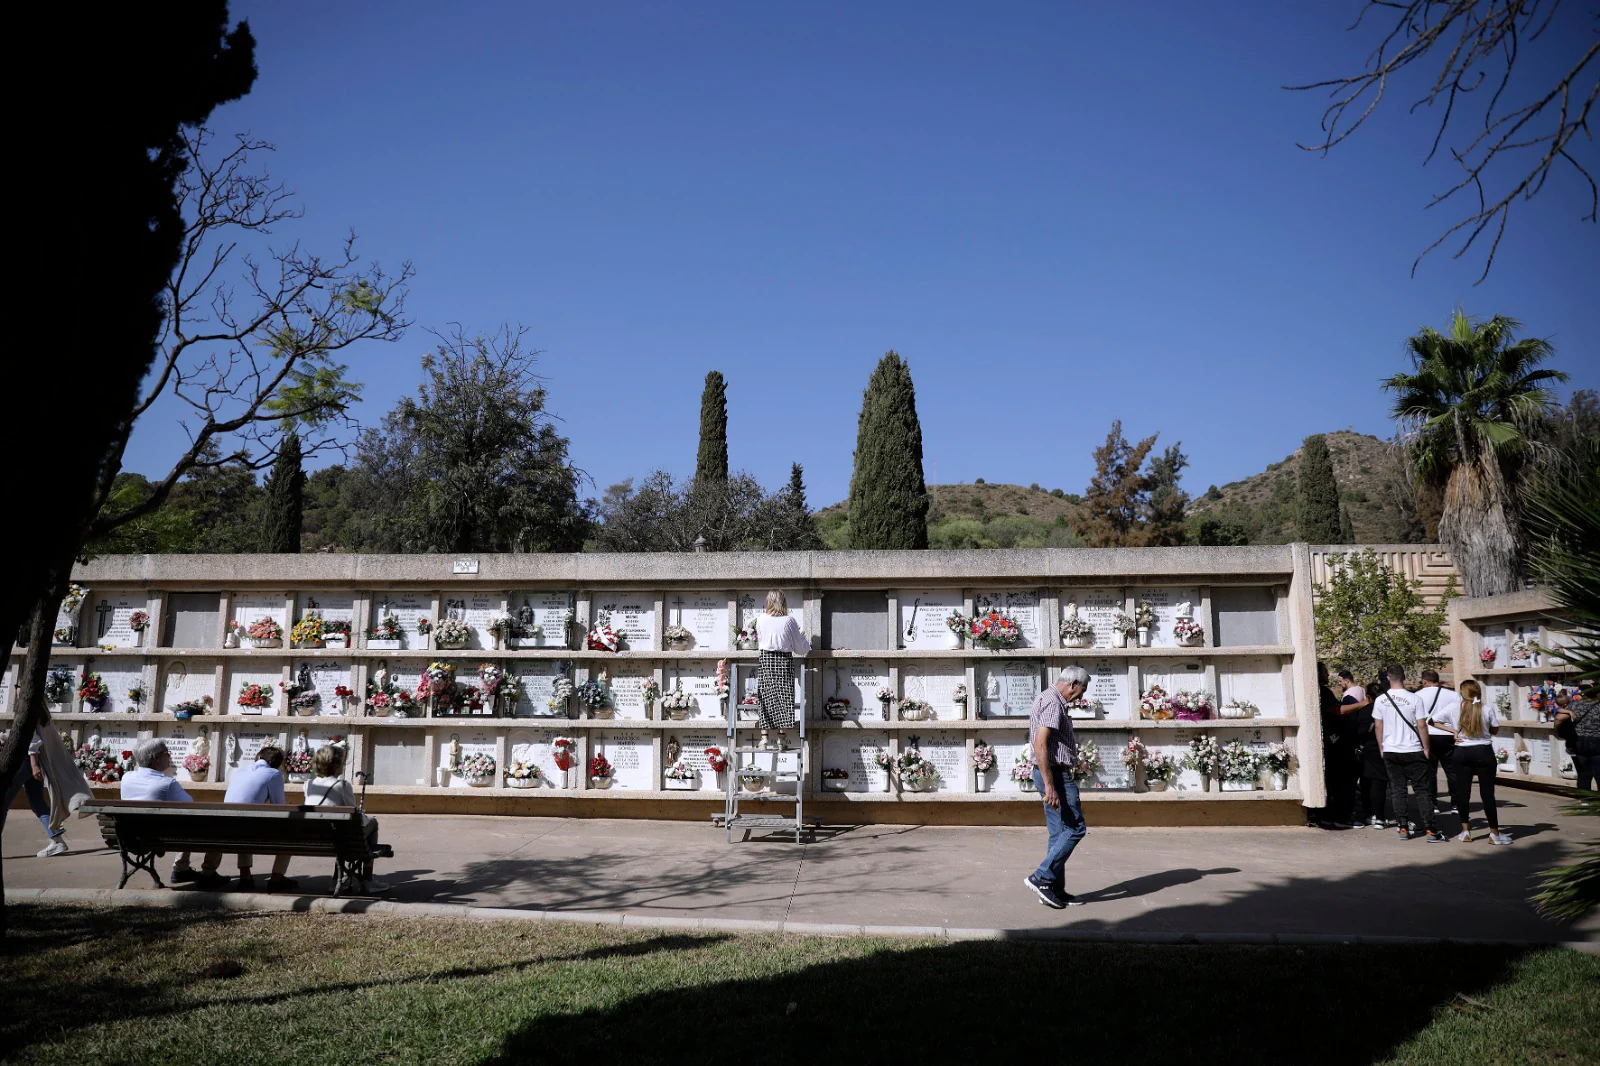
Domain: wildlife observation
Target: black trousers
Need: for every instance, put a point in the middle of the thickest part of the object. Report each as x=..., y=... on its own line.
x=1372, y=786
x=1342, y=776
x=1474, y=760
x=1440, y=752
x=1410, y=768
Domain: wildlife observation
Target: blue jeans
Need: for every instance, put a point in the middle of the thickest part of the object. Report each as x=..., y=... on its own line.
x=1065, y=825
x=38, y=802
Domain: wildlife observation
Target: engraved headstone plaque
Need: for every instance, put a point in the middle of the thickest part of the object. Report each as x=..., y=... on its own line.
x=947, y=750
x=626, y=680
x=1097, y=607
x=934, y=683
x=545, y=609
x=1166, y=601
x=633, y=616
x=922, y=618
x=857, y=680
x=1008, y=688
x=705, y=614
x=855, y=752
x=538, y=678
x=407, y=605
x=1008, y=747
x=247, y=675
x=250, y=607
x=112, y=625
x=629, y=752
x=1023, y=607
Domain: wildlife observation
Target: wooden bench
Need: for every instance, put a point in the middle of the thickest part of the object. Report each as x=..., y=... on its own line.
x=141, y=831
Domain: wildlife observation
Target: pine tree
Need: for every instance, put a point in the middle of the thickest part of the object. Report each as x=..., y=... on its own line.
x=712, y=462
x=1347, y=528
x=1164, y=525
x=284, y=500
x=797, y=488
x=1115, y=500
x=1317, y=497
x=888, y=496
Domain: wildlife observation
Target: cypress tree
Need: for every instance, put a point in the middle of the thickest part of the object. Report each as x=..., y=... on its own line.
x=888, y=497
x=1347, y=528
x=797, y=488
x=712, y=462
x=1317, y=495
x=284, y=499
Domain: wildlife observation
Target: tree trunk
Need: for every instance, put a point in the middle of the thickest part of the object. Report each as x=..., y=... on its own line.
x=1477, y=525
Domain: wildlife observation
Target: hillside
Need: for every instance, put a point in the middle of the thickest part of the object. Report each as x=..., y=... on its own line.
x=983, y=516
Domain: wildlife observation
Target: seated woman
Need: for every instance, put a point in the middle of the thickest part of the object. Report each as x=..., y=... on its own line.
x=330, y=789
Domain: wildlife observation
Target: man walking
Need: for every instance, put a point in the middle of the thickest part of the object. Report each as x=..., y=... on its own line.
x=1405, y=753
x=1443, y=705
x=1055, y=752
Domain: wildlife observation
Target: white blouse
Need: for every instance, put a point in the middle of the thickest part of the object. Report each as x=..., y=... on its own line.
x=780, y=633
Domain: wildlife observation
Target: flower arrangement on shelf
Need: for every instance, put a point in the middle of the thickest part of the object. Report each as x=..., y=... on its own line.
x=1084, y=707
x=677, y=638
x=189, y=708
x=982, y=756
x=1279, y=759
x=198, y=765
x=139, y=621
x=1502, y=755
x=304, y=701
x=1502, y=703
x=58, y=684
x=254, y=695
x=1191, y=706
x=716, y=760
x=651, y=690
x=232, y=634
x=1186, y=630
x=336, y=633
x=1204, y=752
x=1122, y=622
x=424, y=626
x=343, y=694
x=995, y=631
x=102, y=766
x=67, y=635
x=136, y=695
x=682, y=771
x=958, y=695
x=1487, y=656
x=1022, y=770
x=885, y=697
x=564, y=753
x=297, y=761
x=914, y=710
x=834, y=778
x=600, y=768
x=1524, y=760
x=595, y=694
x=525, y=772
x=74, y=598
x=1087, y=766
x=502, y=626
x=754, y=778
x=1153, y=704
x=1075, y=630
x=1134, y=754
x=1522, y=651
x=451, y=633
x=477, y=769
x=722, y=678
x=493, y=678
x=264, y=633
x=1239, y=765
x=307, y=633
x=1144, y=615
x=388, y=628
x=439, y=679
x=744, y=639
x=959, y=624
x=678, y=702
x=916, y=772
x=836, y=707
x=1238, y=708
x=602, y=637
x=1161, y=767
x=561, y=691
x=92, y=690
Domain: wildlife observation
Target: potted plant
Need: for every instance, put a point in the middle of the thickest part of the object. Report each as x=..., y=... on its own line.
x=960, y=626
x=916, y=772
x=1238, y=708
x=754, y=778
x=438, y=686
x=1087, y=766
x=1134, y=757
x=264, y=633
x=915, y=710
x=101, y=765
x=307, y=633
x=677, y=704
x=835, y=779
x=561, y=693
x=983, y=762
x=677, y=638
x=718, y=763
x=1153, y=704
x=1279, y=760
x=1159, y=770
x=564, y=753
x=1144, y=621
x=600, y=772
x=187, y=709
x=995, y=631
x=1185, y=630
x=1076, y=632
x=602, y=637
x=387, y=635
x=1202, y=759
x=651, y=693
x=92, y=692
x=1487, y=656
x=496, y=686
x=595, y=696
x=885, y=762
x=253, y=698
x=1191, y=706
x=336, y=634
x=197, y=766
x=1240, y=767
x=1085, y=708
x=451, y=634
x=297, y=766
x=1502, y=758
x=681, y=777
x=1022, y=772
x=139, y=621
x=524, y=775
x=1122, y=627
x=304, y=701
x=478, y=770
x=885, y=698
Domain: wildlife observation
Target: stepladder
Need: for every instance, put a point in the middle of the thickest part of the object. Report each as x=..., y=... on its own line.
x=765, y=786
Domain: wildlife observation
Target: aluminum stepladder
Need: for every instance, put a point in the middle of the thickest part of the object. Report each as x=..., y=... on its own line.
x=787, y=766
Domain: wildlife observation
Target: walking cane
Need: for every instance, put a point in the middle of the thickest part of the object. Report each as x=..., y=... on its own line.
x=361, y=804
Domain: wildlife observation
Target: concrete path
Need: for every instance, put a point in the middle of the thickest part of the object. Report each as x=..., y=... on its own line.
x=1232, y=883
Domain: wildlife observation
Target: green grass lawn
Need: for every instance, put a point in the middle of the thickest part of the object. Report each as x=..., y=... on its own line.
x=128, y=985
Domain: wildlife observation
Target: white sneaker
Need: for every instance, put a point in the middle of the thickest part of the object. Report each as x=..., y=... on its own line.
x=1499, y=838
x=55, y=847
x=1464, y=836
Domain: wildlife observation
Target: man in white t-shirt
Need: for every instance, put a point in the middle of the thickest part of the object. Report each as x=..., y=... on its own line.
x=1402, y=737
x=1442, y=708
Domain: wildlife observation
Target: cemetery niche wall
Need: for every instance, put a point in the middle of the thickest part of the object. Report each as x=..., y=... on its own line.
x=487, y=685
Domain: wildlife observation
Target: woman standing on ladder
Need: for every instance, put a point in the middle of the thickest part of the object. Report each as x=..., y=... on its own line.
x=780, y=639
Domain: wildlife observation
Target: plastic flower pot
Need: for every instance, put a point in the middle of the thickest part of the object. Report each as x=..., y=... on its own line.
x=683, y=784
x=835, y=784
x=269, y=642
x=1157, y=784
x=981, y=781
x=481, y=780
x=1144, y=638
x=600, y=782
x=1119, y=639
x=522, y=782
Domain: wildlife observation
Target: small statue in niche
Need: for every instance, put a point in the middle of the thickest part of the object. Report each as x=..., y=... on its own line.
x=302, y=679
x=202, y=743
x=525, y=617
x=380, y=676
x=301, y=741
x=673, y=750
x=991, y=687
x=233, y=749
x=1072, y=609
x=93, y=741
x=453, y=751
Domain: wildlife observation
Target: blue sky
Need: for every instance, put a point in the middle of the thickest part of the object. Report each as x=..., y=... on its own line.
x=1059, y=213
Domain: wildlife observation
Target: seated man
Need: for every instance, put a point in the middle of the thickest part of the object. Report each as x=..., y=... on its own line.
x=260, y=783
x=148, y=781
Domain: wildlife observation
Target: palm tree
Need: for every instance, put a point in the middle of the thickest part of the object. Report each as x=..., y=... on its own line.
x=1464, y=415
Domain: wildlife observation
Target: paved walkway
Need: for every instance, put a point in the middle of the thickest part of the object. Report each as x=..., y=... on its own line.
x=1232, y=882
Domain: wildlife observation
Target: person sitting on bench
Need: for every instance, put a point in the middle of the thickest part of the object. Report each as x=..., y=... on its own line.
x=330, y=789
x=148, y=781
x=260, y=783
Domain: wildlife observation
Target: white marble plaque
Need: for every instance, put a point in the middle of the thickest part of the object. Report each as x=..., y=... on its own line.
x=857, y=680
x=698, y=677
x=326, y=677
x=754, y=602
x=1113, y=776
x=922, y=618
x=1108, y=683
x=692, y=753
x=1541, y=748
x=191, y=679
x=538, y=678
x=535, y=746
x=476, y=609
x=1494, y=637
x=545, y=609
x=119, y=676
x=249, y=607
x=1007, y=688
x=1007, y=747
x=631, y=757
x=1257, y=678
x=1174, y=675
x=330, y=606
x=472, y=743
x=180, y=738
x=1021, y=605
x=1097, y=607
x=109, y=620
x=1166, y=602
x=855, y=751
x=947, y=750
x=626, y=681
x=705, y=614
x=243, y=675
x=633, y=616
x=407, y=606
x=934, y=683
x=250, y=742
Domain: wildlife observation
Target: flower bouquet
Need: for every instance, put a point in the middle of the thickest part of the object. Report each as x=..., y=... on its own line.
x=1087, y=766
x=336, y=634
x=561, y=692
x=502, y=627
x=1524, y=761
x=983, y=762
x=1076, y=632
x=1192, y=706
x=595, y=696
x=722, y=678
x=1122, y=627
x=1240, y=767
x=959, y=625
x=342, y=694
x=92, y=692
x=254, y=698
x=912, y=710
x=716, y=760
x=307, y=633
x=523, y=775
x=1187, y=631
x=1238, y=708
x=102, y=766
x=836, y=707
x=564, y=753
x=136, y=696
x=1502, y=756
x=66, y=636
x=308, y=701
x=885, y=698
x=478, y=770
x=1153, y=704
x=232, y=635
x=1522, y=651
x=1144, y=620
x=1487, y=657
x=1134, y=755
x=297, y=765
x=1502, y=703
x=745, y=639
x=424, y=626
x=651, y=692
x=387, y=634
x=600, y=772
x=58, y=685
x=1277, y=762
x=995, y=631
x=1203, y=756
x=198, y=766
x=677, y=704
x=1159, y=770
x=885, y=762
x=754, y=778
x=916, y=772
x=601, y=636
x=139, y=621
x=682, y=777
x=451, y=633
x=958, y=696
x=264, y=633
x=1022, y=772
x=189, y=708
x=677, y=638
x=835, y=779
x=1085, y=708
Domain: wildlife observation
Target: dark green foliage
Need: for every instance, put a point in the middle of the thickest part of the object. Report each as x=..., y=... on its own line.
x=1166, y=502
x=888, y=496
x=221, y=501
x=283, y=500
x=733, y=514
x=1347, y=529
x=161, y=531
x=1216, y=532
x=711, y=464
x=1317, y=496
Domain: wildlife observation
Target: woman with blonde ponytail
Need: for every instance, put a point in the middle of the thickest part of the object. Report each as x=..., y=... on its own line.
x=1474, y=757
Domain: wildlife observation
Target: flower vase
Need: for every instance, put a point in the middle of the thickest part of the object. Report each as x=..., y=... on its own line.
x=1205, y=782
x=230, y=639
x=1119, y=639
x=956, y=641
x=601, y=783
x=1280, y=782
x=981, y=781
x=1157, y=784
x=1144, y=637
x=885, y=705
x=1027, y=785
x=1139, y=783
x=445, y=774
x=888, y=782
x=522, y=782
